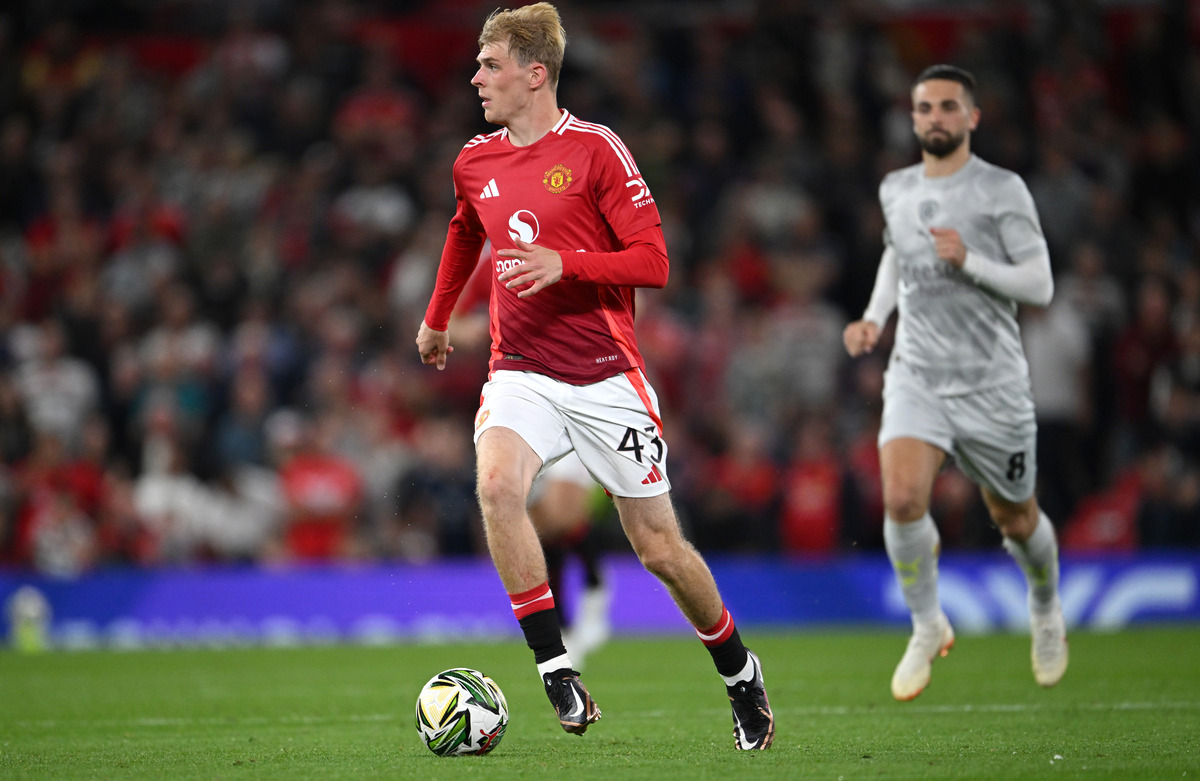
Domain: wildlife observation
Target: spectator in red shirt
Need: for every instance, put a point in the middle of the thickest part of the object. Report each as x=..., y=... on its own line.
x=1146, y=347
x=810, y=519
x=59, y=497
x=322, y=493
x=742, y=491
x=63, y=241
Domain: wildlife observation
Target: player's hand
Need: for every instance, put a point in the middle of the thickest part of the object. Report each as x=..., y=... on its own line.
x=541, y=267
x=949, y=246
x=860, y=337
x=433, y=346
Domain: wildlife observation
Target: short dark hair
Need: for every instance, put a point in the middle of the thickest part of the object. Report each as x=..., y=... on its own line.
x=949, y=73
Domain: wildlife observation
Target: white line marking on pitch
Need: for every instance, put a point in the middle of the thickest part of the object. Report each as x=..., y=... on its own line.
x=859, y=710
x=242, y=721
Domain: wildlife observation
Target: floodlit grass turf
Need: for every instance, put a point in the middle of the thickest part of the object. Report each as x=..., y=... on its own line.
x=1129, y=708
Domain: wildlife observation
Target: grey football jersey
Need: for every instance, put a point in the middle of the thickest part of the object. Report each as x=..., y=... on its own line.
x=956, y=335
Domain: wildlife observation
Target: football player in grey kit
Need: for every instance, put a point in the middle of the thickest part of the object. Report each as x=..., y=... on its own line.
x=963, y=248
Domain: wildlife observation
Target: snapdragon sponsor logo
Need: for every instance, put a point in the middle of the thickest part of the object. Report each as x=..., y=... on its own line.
x=523, y=226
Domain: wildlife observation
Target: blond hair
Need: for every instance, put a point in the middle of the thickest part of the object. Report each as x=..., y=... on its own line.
x=534, y=33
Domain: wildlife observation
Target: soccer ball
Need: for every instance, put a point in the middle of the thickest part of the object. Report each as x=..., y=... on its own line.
x=461, y=711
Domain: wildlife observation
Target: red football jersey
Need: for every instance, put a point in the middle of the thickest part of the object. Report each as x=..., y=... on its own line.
x=577, y=191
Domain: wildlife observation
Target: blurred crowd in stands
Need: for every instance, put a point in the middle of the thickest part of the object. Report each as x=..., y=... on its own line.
x=220, y=225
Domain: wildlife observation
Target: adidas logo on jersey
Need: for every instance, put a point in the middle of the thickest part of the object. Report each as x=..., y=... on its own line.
x=655, y=476
x=491, y=191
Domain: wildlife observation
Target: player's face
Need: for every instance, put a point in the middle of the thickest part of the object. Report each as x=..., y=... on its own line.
x=503, y=84
x=943, y=115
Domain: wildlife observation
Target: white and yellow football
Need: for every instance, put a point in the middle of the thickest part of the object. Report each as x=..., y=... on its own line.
x=461, y=711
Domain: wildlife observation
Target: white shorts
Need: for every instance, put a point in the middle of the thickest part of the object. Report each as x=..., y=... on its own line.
x=613, y=425
x=991, y=433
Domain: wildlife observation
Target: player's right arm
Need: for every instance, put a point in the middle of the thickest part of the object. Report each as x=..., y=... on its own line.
x=861, y=336
x=433, y=346
x=464, y=240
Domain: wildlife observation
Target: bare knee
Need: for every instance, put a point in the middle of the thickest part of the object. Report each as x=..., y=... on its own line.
x=499, y=495
x=905, y=503
x=1015, y=522
x=661, y=555
x=909, y=467
x=654, y=533
x=505, y=466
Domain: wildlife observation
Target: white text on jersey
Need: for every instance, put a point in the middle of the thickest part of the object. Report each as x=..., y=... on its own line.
x=642, y=197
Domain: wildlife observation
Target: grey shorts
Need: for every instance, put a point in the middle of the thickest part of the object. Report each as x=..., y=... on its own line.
x=991, y=433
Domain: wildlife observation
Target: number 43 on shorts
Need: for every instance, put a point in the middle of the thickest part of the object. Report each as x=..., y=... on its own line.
x=636, y=441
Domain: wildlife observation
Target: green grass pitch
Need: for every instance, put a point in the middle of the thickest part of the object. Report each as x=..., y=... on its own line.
x=1128, y=708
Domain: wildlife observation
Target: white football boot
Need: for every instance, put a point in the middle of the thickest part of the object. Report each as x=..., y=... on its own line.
x=1049, y=652
x=927, y=642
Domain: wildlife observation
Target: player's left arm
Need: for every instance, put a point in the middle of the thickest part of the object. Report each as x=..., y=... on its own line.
x=621, y=196
x=1027, y=279
x=641, y=263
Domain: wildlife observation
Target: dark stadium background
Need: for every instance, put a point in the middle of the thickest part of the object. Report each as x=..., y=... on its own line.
x=219, y=225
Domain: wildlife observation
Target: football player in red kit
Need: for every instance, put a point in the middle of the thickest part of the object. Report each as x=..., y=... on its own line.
x=573, y=230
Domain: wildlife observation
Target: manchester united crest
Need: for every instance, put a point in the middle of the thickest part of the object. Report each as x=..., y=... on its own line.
x=557, y=178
